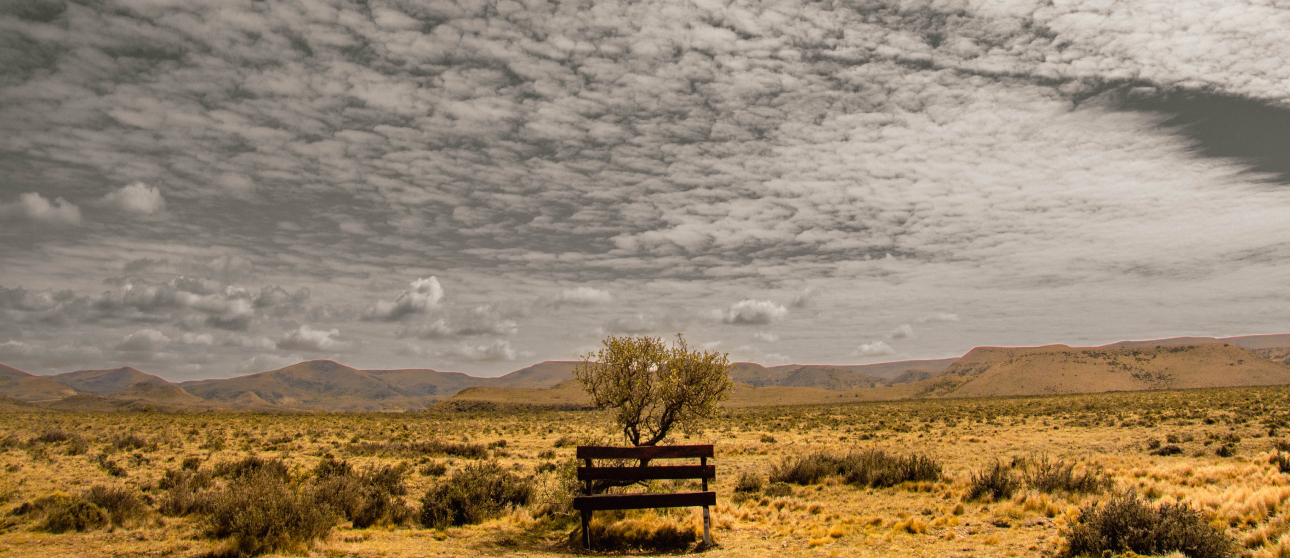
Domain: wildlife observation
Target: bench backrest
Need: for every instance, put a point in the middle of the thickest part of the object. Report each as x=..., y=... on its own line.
x=653, y=472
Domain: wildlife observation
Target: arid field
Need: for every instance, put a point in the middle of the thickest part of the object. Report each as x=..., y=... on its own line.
x=155, y=476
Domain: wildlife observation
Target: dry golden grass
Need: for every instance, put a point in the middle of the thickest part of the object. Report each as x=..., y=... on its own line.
x=1246, y=494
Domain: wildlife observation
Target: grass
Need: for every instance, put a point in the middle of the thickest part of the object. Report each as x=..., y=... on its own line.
x=182, y=468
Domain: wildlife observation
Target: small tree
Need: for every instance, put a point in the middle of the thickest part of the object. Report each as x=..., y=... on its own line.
x=653, y=388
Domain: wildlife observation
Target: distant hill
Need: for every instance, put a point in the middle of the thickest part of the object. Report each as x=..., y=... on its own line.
x=167, y=393
x=835, y=377
x=1252, y=342
x=316, y=384
x=540, y=375
x=106, y=382
x=1000, y=371
x=16, y=384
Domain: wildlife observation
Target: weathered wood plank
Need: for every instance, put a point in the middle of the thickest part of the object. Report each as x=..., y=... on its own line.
x=644, y=501
x=647, y=473
x=644, y=452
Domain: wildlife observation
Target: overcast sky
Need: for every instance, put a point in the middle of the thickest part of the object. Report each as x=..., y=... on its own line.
x=206, y=188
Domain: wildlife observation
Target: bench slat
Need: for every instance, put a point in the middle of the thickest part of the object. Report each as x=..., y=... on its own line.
x=644, y=452
x=644, y=501
x=647, y=473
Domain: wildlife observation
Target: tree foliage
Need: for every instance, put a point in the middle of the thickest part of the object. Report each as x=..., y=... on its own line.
x=653, y=388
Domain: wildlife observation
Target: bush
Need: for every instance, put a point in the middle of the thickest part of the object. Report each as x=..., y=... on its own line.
x=1127, y=524
x=130, y=442
x=262, y=513
x=997, y=481
x=64, y=512
x=1225, y=450
x=251, y=466
x=1167, y=450
x=867, y=468
x=364, y=499
x=51, y=436
x=473, y=494
x=748, y=483
x=77, y=445
x=1052, y=476
x=111, y=467
x=1281, y=461
x=434, y=469
x=186, y=492
x=121, y=505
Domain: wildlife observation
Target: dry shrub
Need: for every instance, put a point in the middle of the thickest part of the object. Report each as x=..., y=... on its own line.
x=366, y=498
x=122, y=505
x=187, y=492
x=1282, y=461
x=473, y=494
x=262, y=513
x=996, y=481
x=648, y=531
x=1051, y=476
x=252, y=466
x=867, y=468
x=130, y=442
x=1127, y=524
x=748, y=483
x=51, y=436
x=432, y=447
x=63, y=512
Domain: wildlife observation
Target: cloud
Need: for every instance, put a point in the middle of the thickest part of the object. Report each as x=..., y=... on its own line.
x=249, y=341
x=190, y=338
x=468, y=325
x=144, y=340
x=35, y=207
x=876, y=348
x=314, y=340
x=584, y=296
x=939, y=317
x=901, y=332
x=138, y=198
x=423, y=295
x=499, y=350
x=766, y=336
x=13, y=350
x=749, y=311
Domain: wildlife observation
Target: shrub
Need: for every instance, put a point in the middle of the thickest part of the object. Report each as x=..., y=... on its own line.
x=472, y=494
x=365, y=499
x=1052, y=476
x=51, y=436
x=1225, y=450
x=997, y=481
x=565, y=441
x=867, y=468
x=1167, y=450
x=186, y=492
x=111, y=467
x=121, y=505
x=748, y=483
x=130, y=442
x=1127, y=524
x=778, y=490
x=77, y=445
x=262, y=513
x=1281, y=461
x=433, y=469
x=64, y=512
x=432, y=447
x=251, y=466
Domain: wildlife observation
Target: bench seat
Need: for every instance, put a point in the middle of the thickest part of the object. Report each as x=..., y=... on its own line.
x=644, y=501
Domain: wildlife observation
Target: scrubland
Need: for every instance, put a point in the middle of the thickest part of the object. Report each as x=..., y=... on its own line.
x=967, y=477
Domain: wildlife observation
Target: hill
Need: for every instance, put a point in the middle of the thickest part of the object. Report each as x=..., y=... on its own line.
x=999, y=371
x=316, y=384
x=1252, y=342
x=168, y=393
x=16, y=384
x=106, y=382
x=837, y=377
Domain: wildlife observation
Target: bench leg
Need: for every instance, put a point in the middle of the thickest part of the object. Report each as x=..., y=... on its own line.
x=586, y=529
x=707, y=527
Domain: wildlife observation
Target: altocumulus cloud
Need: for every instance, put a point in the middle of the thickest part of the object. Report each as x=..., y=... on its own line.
x=750, y=311
x=876, y=348
x=138, y=198
x=419, y=298
x=309, y=339
x=584, y=296
x=913, y=153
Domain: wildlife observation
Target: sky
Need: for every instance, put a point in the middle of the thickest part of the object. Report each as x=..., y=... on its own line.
x=209, y=188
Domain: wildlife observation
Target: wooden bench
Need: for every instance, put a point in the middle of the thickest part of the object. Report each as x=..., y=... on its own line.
x=591, y=502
